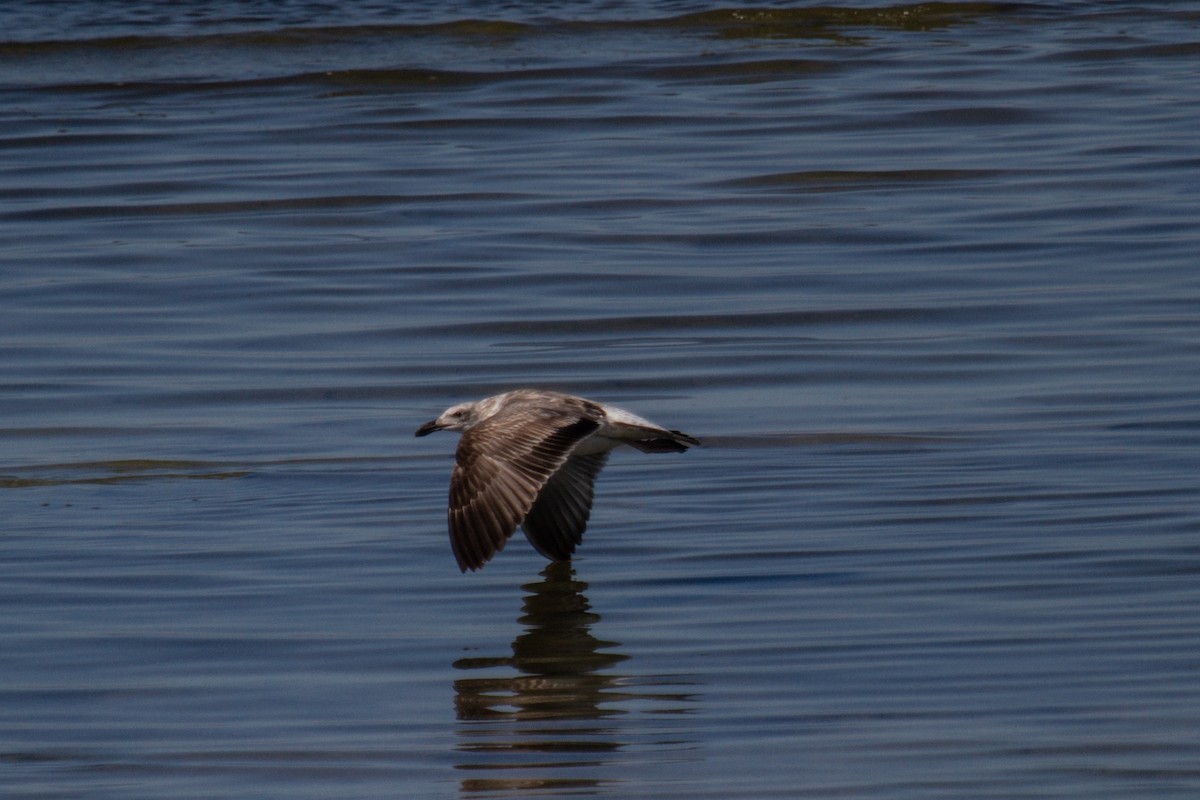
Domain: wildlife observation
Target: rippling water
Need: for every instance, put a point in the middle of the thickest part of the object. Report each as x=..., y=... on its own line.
x=923, y=277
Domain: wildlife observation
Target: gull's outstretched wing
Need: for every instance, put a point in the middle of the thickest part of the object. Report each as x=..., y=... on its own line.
x=502, y=465
x=555, y=524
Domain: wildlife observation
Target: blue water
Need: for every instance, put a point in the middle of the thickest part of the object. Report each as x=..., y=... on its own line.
x=922, y=277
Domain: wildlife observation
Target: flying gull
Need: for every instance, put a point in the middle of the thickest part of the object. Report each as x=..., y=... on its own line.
x=531, y=457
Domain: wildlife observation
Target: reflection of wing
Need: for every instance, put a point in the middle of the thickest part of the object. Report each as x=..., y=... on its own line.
x=555, y=524
x=501, y=466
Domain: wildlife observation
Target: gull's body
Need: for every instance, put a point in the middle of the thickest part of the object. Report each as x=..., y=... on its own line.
x=530, y=458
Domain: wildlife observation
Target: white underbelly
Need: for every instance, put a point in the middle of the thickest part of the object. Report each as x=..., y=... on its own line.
x=595, y=444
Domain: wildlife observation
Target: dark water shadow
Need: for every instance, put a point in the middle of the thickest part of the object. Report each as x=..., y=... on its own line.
x=122, y=471
x=556, y=715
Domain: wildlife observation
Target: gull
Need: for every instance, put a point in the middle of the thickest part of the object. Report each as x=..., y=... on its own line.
x=530, y=457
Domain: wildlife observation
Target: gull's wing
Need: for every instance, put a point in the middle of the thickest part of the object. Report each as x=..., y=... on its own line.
x=555, y=524
x=501, y=466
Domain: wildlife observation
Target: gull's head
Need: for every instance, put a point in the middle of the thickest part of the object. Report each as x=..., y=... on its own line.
x=454, y=418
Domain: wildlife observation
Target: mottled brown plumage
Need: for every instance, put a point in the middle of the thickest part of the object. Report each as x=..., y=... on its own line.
x=531, y=458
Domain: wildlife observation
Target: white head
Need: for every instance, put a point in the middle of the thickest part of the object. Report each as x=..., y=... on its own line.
x=455, y=418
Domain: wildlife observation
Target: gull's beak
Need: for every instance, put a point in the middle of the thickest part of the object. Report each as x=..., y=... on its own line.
x=428, y=428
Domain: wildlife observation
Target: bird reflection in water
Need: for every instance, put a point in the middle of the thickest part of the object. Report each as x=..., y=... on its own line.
x=558, y=722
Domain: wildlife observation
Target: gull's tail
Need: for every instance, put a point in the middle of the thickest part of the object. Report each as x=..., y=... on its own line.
x=658, y=440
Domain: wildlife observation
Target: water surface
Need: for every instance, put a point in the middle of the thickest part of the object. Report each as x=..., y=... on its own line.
x=923, y=277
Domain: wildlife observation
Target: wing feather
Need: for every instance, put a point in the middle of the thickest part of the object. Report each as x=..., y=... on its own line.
x=557, y=520
x=501, y=466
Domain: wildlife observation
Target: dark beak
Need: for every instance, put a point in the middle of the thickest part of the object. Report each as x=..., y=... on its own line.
x=428, y=428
